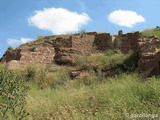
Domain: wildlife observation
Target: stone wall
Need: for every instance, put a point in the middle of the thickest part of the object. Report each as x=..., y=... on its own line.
x=149, y=53
x=103, y=41
x=41, y=54
x=126, y=42
x=11, y=55
x=65, y=42
x=81, y=44
x=64, y=49
x=26, y=55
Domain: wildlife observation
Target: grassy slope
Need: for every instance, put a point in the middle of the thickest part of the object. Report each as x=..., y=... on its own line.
x=94, y=97
x=109, y=99
x=150, y=32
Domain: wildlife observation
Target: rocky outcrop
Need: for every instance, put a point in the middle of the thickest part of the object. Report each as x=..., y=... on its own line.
x=149, y=53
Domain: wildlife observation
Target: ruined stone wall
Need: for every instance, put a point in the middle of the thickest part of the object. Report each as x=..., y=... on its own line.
x=41, y=54
x=26, y=54
x=149, y=54
x=103, y=41
x=81, y=44
x=65, y=42
x=126, y=42
x=64, y=49
x=11, y=55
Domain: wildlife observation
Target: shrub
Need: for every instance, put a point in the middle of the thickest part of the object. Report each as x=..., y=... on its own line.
x=81, y=33
x=41, y=80
x=130, y=63
x=10, y=48
x=31, y=73
x=37, y=74
x=110, y=52
x=33, y=48
x=12, y=96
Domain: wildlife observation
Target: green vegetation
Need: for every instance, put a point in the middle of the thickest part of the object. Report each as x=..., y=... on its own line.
x=33, y=48
x=114, y=58
x=12, y=96
x=92, y=98
x=10, y=48
x=81, y=33
x=148, y=33
x=54, y=96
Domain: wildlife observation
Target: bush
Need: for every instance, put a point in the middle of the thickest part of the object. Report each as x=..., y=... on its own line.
x=81, y=32
x=37, y=73
x=31, y=73
x=13, y=94
x=41, y=80
x=130, y=63
x=110, y=52
x=10, y=48
x=33, y=48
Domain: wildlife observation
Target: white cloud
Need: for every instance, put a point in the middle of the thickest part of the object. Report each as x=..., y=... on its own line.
x=18, y=42
x=58, y=20
x=125, y=18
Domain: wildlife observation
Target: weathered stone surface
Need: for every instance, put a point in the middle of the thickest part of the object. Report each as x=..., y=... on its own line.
x=126, y=42
x=66, y=56
x=103, y=41
x=24, y=55
x=77, y=45
x=11, y=55
x=13, y=64
x=79, y=72
x=64, y=50
x=149, y=54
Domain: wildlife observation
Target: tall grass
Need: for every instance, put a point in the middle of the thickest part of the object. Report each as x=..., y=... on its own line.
x=13, y=92
x=54, y=96
x=109, y=99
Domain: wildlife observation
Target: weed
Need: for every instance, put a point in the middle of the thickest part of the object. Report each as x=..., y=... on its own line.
x=13, y=92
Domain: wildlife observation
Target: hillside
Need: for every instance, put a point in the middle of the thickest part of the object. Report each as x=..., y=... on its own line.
x=148, y=33
x=85, y=76
x=66, y=49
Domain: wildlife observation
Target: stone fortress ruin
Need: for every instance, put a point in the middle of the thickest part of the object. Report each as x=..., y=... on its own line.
x=64, y=49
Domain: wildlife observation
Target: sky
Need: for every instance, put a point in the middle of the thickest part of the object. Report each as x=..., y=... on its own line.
x=22, y=21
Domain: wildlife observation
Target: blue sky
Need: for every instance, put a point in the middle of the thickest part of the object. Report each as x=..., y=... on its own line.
x=20, y=23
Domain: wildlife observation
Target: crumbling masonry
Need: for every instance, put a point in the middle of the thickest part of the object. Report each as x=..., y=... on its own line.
x=65, y=50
